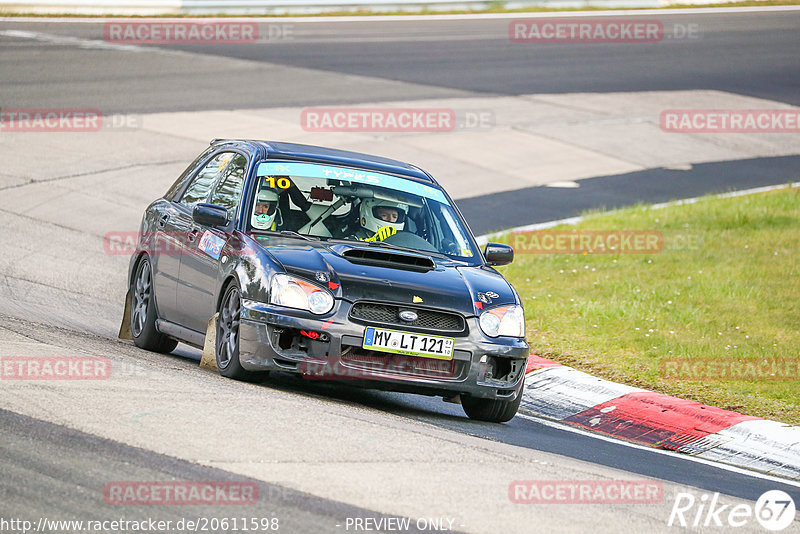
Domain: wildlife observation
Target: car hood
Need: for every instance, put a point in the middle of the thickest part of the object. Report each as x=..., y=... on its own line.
x=356, y=272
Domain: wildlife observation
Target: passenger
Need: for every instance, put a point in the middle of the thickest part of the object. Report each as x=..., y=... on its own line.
x=266, y=215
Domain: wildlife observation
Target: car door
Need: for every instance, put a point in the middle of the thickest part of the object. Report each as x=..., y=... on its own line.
x=181, y=227
x=200, y=265
x=166, y=259
x=169, y=236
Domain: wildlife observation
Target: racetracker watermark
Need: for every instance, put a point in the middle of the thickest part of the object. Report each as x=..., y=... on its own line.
x=54, y=368
x=730, y=121
x=585, y=492
x=378, y=120
x=730, y=369
x=599, y=30
x=144, y=32
x=50, y=120
x=64, y=120
x=774, y=510
x=602, y=241
x=394, y=119
x=180, y=493
x=588, y=242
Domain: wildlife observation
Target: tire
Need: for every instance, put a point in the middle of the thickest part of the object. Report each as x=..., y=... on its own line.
x=491, y=410
x=227, y=343
x=143, y=312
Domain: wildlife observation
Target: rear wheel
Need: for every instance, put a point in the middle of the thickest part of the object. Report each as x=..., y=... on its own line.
x=143, y=312
x=227, y=346
x=491, y=410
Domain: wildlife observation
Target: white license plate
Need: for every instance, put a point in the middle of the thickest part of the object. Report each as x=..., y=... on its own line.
x=440, y=348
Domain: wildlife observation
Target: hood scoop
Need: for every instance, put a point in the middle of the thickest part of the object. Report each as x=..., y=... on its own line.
x=390, y=259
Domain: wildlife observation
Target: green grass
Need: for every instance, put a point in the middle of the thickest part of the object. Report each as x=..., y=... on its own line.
x=725, y=287
x=494, y=7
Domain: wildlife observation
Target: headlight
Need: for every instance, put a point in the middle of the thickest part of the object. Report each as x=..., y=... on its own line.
x=503, y=321
x=285, y=290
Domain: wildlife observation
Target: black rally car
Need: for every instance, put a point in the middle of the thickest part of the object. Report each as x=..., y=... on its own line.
x=333, y=265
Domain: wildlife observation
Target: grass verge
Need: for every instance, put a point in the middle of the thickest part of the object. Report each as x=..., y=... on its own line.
x=712, y=314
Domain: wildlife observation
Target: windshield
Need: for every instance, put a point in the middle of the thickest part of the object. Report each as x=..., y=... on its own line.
x=329, y=202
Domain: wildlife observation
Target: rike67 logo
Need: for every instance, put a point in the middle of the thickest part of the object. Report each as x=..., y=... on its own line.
x=774, y=510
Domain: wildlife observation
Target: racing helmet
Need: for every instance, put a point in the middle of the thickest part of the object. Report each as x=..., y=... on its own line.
x=370, y=211
x=265, y=220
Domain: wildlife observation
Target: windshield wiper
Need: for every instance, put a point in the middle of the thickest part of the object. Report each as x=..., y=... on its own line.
x=292, y=233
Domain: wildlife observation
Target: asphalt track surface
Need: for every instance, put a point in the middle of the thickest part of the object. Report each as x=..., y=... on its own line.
x=67, y=466
x=753, y=54
x=47, y=466
x=57, y=472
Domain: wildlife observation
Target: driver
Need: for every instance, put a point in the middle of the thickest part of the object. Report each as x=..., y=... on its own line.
x=266, y=214
x=380, y=219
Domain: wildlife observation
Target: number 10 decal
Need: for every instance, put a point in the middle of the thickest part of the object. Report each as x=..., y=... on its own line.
x=282, y=182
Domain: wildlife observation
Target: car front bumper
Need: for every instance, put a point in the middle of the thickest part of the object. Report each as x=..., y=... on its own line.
x=271, y=338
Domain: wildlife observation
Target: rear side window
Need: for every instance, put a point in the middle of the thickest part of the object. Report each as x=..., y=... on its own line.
x=201, y=184
x=180, y=183
x=228, y=190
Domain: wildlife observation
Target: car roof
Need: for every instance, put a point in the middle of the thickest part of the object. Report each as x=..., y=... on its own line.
x=276, y=150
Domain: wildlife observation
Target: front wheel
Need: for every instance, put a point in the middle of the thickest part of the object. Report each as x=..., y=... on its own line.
x=143, y=312
x=491, y=410
x=227, y=346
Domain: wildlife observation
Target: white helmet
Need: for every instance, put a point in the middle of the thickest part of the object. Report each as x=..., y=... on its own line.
x=370, y=214
x=266, y=221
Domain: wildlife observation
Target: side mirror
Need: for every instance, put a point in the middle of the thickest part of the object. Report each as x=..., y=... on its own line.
x=498, y=254
x=209, y=215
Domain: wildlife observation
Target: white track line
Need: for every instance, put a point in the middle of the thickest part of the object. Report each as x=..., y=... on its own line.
x=74, y=41
x=682, y=456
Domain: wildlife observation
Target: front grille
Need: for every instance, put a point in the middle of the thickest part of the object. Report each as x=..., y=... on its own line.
x=388, y=314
